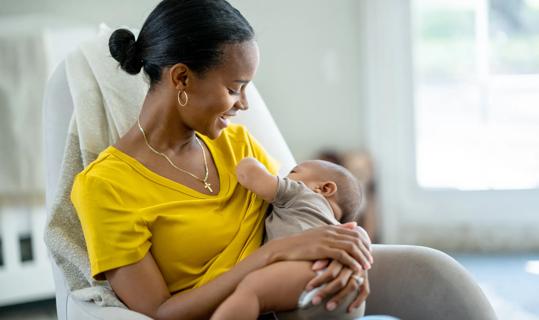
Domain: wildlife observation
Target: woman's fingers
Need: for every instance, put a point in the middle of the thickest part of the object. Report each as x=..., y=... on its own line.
x=360, y=234
x=366, y=242
x=331, y=272
x=363, y=294
x=367, y=254
x=354, y=251
x=353, y=285
x=343, y=257
x=320, y=264
x=349, y=225
x=339, y=229
x=364, y=236
x=361, y=238
x=352, y=237
x=334, y=286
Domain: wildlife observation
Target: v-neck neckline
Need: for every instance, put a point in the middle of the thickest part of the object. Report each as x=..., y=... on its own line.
x=141, y=168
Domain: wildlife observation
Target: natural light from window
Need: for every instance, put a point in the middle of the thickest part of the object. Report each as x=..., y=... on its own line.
x=477, y=93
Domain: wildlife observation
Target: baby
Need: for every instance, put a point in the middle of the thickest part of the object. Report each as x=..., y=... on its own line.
x=315, y=193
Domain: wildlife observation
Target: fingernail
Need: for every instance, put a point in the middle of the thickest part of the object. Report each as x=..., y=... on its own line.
x=331, y=306
x=316, y=300
x=368, y=266
x=309, y=288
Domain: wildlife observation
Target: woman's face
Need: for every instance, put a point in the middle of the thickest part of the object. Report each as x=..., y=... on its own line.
x=219, y=93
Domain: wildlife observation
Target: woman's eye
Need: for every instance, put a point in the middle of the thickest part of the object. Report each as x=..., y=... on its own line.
x=234, y=92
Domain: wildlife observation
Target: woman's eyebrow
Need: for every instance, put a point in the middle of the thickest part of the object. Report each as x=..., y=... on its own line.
x=242, y=81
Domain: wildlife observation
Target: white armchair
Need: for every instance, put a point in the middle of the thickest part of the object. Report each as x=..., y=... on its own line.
x=408, y=282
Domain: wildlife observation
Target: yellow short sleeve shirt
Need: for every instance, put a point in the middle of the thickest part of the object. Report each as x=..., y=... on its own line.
x=125, y=209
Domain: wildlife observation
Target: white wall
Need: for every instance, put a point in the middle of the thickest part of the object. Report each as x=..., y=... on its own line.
x=310, y=68
x=117, y=12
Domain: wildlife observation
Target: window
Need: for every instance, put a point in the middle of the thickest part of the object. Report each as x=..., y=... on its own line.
x=477, y=93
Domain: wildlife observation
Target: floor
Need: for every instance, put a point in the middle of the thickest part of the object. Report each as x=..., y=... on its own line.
x=511, y=283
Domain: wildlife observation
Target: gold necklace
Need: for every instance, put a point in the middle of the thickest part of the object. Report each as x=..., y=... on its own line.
x=207, y=185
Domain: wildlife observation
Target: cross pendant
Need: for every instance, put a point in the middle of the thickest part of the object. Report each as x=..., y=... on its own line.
x=207, y=185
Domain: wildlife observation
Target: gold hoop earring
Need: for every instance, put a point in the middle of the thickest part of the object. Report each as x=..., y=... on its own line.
x=180, y=100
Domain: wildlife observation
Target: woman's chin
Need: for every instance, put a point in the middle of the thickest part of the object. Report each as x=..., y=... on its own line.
x=214, y=133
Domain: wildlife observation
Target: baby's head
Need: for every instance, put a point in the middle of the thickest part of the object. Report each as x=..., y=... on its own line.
x=333, y=182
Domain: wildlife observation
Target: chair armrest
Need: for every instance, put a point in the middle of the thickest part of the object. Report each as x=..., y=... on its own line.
x=80, y=310
x=413, y=282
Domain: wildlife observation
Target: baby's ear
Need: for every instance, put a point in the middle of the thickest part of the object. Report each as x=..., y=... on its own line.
x=328, y=188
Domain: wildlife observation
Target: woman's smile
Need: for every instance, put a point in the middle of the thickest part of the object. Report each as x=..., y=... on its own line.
x=224, y=118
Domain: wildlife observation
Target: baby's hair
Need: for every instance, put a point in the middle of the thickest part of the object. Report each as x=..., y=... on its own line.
x=349, y=193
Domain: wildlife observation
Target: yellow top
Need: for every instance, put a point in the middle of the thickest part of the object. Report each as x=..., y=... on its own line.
x=125, y=209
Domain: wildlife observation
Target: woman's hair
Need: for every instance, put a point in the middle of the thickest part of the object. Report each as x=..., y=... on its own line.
x=180, y=31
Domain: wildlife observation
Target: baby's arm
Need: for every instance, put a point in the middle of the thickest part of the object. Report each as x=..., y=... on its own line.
x=254, y=176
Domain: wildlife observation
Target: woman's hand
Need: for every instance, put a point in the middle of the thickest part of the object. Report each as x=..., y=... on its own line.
x=341, y=281
x=342, y=243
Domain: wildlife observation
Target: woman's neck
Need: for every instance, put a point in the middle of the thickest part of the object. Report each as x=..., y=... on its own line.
x=163, y=125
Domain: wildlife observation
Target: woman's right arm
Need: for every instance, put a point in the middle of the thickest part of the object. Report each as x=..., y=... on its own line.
x=142, y=288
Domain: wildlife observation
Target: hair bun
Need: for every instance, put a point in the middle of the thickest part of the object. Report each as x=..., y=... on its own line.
x=123, y=48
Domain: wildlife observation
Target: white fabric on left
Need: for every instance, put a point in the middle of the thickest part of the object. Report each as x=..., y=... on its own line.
x=106, y=103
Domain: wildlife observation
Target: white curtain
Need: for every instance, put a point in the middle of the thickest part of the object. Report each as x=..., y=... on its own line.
x=30, y=48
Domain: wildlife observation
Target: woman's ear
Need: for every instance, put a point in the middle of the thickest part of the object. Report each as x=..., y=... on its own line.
x=328, y=188
x=179, y=76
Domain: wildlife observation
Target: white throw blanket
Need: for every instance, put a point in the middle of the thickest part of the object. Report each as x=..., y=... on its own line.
x=106, y=104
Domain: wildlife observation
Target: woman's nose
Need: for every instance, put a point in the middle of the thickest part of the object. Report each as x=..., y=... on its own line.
x=242, y=103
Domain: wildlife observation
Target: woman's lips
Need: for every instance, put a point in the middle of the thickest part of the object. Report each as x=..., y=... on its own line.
x=224, y=119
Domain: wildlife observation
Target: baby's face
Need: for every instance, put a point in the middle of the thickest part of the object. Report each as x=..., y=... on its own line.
x=308, y=172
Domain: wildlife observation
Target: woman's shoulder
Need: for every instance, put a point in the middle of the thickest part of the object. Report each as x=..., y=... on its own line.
x=237, y=139
x=107, y=166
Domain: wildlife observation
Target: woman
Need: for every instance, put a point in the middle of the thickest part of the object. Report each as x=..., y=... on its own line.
x=164, y=218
